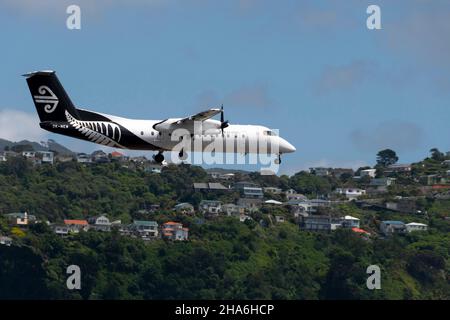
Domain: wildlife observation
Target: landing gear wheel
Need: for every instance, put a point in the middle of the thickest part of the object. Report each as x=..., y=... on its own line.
x=159, y=158
x=278, y=160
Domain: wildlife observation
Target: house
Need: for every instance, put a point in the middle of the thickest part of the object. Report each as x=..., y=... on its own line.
x=174, y=231
x=231, y=209
x=118, y=156
x=210, y=207
x=300, y=208
x=350, y=222
x=61, y=230
x=99, y=156
x=145, y=229
x=152, y=168
x=20, y=219
x=63, y=158
x=6, y=241
x=184, y=208
x=371, y=173
x=273, y=202
x=446, y=163
x=220, y=175
x=391, y=226
x=295, y=196
x=320, y=171
x=76, y=226
x=272, y=190
x=29, y=154
x=320, y=223
x=100, y=223
x=279, y=219
x=382, y=182
x=415, y=226
x=398, y=168
x=83, y=158
x=402, y=205
x=361, y=231
x=249, y=204
x=249, y=189
x=433, y=179
x=351, y=193
x=290, y=191
x=339, y=172
x=46, y=156
x=209, y=186
x=244, y=217
x=2, y=157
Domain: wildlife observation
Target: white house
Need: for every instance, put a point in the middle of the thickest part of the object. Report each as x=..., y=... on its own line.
x=273, y=190
x=368, y=173
x=350, y=222
x=100, y=223
x=210, y=207
x=351, y=193
x=6, y=241
x=320, y=171
x=145, y=229
x=47, y=156
x=415, y=226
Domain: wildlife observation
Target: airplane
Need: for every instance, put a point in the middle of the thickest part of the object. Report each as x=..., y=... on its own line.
x=57, y=114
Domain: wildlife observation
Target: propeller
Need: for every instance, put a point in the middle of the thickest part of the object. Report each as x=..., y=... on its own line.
x=223, y=123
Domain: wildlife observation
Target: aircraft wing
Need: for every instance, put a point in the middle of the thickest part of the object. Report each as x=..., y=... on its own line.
x=201, y=116
x=188, y=122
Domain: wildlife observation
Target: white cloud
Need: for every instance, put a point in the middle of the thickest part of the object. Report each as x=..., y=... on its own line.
x=18, y=125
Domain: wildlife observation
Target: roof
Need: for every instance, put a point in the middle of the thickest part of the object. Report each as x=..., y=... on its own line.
x=393, y=222
x=273, y=202
x=350, y=218
x=209, y=186
x=171, y=223
x=145, y=223
x=358, y=230
x=183, y=204
x=116, y=154
x=76, y=222
x=416, y=224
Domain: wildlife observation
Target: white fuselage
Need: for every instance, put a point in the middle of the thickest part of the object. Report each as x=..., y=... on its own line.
x=207, y=135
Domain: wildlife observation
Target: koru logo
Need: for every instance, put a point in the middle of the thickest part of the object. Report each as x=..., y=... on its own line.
x=48, y=97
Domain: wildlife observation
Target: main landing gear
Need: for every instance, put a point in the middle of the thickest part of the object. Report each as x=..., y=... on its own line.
x=159, y=157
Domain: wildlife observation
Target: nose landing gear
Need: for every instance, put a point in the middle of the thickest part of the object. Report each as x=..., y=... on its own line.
x=278, y=160
x=182, y=155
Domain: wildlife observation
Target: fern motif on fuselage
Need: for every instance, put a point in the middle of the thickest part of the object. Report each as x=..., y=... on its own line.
x=101, y=132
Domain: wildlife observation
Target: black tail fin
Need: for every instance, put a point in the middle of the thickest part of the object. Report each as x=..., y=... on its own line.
x=49, y=96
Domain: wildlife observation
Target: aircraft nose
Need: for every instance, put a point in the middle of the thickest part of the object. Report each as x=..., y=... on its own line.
x=286, y=147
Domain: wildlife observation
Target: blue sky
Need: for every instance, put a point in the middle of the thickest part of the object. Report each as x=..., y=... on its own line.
x=336, y=90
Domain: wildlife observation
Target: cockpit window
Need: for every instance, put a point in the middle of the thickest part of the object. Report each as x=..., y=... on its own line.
x=269, y=133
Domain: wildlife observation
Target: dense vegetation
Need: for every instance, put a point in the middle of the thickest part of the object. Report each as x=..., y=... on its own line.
x=224, y=258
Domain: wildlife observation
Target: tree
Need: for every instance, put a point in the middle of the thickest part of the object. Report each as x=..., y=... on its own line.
x=386, y=157
x=437, y=155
